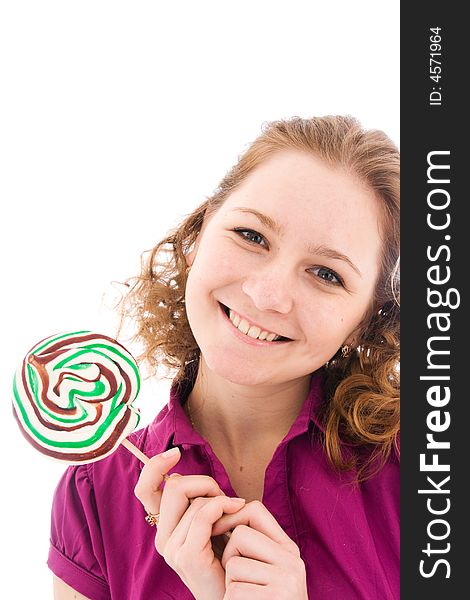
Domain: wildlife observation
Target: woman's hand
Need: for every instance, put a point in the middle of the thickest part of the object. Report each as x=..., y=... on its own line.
x=261, y=561
x=188, y=506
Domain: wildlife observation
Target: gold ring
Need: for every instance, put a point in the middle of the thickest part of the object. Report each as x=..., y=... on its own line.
x=152, y=519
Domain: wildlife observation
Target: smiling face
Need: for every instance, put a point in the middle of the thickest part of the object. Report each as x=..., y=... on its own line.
x=292, y=253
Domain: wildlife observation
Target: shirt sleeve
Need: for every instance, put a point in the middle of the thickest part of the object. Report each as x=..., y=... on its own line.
x=76, y=552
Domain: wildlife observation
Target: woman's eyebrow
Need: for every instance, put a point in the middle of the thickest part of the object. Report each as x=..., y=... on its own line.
x=267, y=221
x=321, y=250
x=318, y=250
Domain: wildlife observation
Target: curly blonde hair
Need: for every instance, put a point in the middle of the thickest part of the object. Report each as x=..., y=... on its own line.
x=362, y=387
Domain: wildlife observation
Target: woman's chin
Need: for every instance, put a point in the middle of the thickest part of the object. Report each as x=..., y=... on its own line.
x=240, y=372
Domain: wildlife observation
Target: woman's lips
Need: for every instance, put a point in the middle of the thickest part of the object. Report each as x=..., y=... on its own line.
x=250, y=330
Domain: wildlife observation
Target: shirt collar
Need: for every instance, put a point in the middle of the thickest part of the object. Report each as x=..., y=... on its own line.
x=172, y=427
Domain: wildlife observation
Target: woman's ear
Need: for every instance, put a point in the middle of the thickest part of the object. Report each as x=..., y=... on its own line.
x=191, y=253
x=189, y=257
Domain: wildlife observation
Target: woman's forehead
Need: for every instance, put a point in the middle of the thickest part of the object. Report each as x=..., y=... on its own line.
x=297, y=188
x=293, y=174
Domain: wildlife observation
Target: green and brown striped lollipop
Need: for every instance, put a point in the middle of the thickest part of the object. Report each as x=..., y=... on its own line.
x=73, y=397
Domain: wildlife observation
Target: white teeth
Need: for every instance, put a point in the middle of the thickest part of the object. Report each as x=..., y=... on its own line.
x=244, y=326
x=252, y=331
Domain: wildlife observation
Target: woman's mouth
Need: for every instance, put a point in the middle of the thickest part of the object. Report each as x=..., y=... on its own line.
x=251, y=330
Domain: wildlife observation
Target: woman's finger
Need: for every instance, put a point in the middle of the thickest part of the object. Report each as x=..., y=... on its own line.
x=282, y=570
x=251, y=543
x=240, y=568
x=240, y=590
x=258, y=517
x=189, y=550
x=195, y=527
x=200, y=526
x=176, y=498
x=152, y=476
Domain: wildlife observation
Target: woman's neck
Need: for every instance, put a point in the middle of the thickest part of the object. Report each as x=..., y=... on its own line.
x=243, y=419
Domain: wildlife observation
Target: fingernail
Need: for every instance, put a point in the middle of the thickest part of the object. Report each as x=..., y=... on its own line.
x=238, y=500
x=170, y=452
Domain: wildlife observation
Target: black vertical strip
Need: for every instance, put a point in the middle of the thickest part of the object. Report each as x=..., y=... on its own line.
x=435, y=323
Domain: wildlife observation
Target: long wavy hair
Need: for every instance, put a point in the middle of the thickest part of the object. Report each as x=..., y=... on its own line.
x=362, y=386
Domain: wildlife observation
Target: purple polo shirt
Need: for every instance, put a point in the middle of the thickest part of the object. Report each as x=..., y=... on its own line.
x=348, y=535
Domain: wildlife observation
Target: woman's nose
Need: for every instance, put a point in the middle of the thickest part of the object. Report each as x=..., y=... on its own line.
x=270, y=289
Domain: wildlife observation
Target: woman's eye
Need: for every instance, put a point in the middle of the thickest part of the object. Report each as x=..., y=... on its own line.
x=251, y=236
x=327, y=275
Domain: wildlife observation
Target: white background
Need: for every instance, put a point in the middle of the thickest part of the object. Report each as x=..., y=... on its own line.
x=117, y=118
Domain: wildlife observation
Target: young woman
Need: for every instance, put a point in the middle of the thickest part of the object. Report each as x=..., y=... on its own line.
x=276, y=304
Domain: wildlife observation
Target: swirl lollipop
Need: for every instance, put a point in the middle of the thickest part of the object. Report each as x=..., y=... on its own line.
x=73, y=395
